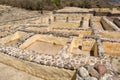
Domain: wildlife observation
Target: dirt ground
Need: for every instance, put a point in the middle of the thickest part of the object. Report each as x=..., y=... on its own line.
x=10, y=73
x=43, y=47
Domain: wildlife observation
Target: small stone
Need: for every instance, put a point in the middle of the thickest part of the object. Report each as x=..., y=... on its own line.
x=115, y=77
x=83, y=72
x=100, y=68
x=91, y=78
x=116, y=65
x=48, y=63
x=87, y=66
x=42, y=62
x=54, y=64
x=66, y=66
x=97, y=64
x=93, y=72
x=78, y=77
x=106, y=77
x=60, y=65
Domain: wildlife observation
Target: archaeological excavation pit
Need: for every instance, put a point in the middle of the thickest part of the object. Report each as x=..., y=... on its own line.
x=47, y=44
x=82, y=46
x=43, y=47
x=61, y=45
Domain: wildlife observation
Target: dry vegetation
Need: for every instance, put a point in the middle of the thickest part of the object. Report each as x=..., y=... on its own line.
x=55, y=4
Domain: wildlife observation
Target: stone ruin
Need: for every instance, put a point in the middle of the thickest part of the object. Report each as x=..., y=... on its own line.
x=67, y=44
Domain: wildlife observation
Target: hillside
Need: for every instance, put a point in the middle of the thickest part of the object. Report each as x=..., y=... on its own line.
x=115, y=0
x=56, y=4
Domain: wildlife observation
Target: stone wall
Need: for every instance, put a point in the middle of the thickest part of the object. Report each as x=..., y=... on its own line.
x=61, y=18
x=74, y=43
x=44, y=20
x=76, y=18
x=45, y=38
x=85, y=23
x=68, y=62
x=17, y=35
x=54, y=33
x=78, y=32
x=61, y=60
x=96, y=19
x=88, y=44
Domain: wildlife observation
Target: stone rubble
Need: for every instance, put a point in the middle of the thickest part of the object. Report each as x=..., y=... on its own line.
x=84, y=73
x=63, y=60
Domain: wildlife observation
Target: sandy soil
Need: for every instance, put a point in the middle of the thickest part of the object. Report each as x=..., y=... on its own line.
x=43, y=47
x=98, y=26
x=10, y=73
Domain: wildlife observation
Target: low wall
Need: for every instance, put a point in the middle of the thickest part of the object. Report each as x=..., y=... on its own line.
x=85, y=24
x=74, y=44
x=44, y=38
x=13, y=37
x=96, y=19
x=54, y=33
x=61, y=60
x=88, y=44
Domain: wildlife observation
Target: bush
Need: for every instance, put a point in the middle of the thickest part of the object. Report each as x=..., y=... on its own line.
x=53, y=4
x=56, y=2
x=85, y=4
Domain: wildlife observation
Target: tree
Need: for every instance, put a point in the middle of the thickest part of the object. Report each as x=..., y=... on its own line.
x=56, y=2
x=98, y=6
x=85, y=4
